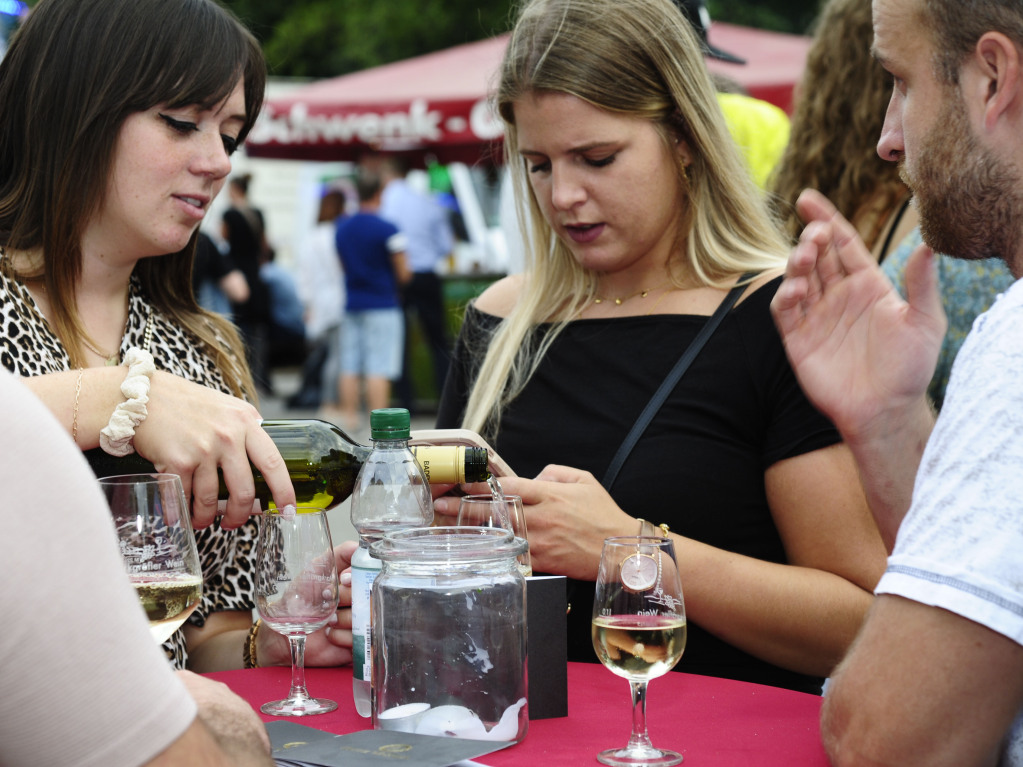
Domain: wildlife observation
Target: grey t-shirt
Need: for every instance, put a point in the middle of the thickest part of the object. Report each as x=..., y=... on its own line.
x=959, y=547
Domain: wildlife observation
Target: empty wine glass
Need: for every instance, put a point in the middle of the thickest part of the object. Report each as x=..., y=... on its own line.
x=639, y=631
x=296, y=592
x=492, y=511
x=154, y=532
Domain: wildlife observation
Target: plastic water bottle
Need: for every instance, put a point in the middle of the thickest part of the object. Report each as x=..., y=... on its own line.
x=391, y=493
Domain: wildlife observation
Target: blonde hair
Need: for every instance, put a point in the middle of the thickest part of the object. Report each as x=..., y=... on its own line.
x=637, y=58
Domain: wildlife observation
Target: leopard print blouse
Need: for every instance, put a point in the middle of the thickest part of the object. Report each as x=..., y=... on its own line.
x=28, y=347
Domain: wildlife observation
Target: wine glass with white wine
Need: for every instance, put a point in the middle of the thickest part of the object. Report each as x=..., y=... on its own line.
x=639, y=631
x=154, y=533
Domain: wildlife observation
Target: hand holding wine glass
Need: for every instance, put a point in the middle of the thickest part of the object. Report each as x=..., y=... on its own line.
x=639, y=631
x=296, y=593
x=155, y=536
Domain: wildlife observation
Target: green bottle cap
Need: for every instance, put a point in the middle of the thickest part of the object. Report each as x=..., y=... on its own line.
x=390, y=423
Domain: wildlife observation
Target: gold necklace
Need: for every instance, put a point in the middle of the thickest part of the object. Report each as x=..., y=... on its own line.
x=115, y=359
x=656, y=303
x=643, y=293
x=620, y=301
x=108, y=359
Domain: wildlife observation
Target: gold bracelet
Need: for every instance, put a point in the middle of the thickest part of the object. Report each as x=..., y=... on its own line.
x=649, y=529
x=249, y=650
x=78, y=393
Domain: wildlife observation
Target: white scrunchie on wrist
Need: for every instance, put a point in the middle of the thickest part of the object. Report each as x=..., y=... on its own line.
x=117, y=436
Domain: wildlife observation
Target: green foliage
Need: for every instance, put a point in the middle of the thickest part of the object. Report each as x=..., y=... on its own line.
x=305, y=44
x=792, y=16
x=321, y=38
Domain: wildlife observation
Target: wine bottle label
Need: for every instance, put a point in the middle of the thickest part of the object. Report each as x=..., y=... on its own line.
x=452, y=464
x=441, y=465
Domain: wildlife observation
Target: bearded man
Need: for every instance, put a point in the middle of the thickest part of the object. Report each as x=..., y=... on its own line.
x=936, y=674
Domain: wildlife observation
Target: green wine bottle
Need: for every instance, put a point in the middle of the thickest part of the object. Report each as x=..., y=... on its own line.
x=323, y=462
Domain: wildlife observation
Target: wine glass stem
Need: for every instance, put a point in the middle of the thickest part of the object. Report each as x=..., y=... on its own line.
x=639, y=738
x=297, y=644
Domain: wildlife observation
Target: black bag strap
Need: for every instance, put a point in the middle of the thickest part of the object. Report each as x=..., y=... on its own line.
x=895, y=225
x=670, y=382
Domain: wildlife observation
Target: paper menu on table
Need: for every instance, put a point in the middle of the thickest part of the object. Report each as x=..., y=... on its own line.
x=295, y=745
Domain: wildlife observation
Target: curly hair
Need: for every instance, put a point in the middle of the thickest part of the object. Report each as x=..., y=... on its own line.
x=839, y=112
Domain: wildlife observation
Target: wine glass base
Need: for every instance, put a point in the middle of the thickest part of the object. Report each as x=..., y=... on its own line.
x=639, y=757
x=298, y=707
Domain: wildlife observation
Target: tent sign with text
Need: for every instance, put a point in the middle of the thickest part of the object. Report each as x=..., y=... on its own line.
x=310, y=132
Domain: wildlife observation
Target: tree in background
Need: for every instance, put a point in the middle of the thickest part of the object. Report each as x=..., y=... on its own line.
x=792, y=16
x=325, y=38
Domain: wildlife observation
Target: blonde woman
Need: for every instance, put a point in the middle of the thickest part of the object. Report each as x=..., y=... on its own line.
x=643, y=220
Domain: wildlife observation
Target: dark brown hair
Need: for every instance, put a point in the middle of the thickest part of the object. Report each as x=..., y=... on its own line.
x=74, y=72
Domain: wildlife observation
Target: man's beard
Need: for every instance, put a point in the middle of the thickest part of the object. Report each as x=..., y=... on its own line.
x=969, y=203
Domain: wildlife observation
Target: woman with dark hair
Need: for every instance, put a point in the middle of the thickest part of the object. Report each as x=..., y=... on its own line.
x=117, y=122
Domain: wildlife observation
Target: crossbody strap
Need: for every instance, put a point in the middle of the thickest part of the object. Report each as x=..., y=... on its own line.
x=670, y=382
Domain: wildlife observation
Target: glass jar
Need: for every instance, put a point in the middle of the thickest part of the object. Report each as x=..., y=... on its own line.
x=449, y=634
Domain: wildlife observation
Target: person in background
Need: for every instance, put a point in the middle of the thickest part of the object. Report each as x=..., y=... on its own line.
x=760, y=128
x=243, y=228
x=107, y=696
x=968, y=289
x=287, y=322
x=443, y=190
x=216, y=281
x=98, y=219
x=840, y=106
x=429, y=240
x=644, y=220
x=375, y=267
x=935, y=676
x=322, y=291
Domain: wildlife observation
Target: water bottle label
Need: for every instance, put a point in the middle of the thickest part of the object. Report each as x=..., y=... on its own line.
x=362, y=648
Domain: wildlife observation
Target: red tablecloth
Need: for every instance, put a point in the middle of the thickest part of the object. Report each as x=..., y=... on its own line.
x=714, y=722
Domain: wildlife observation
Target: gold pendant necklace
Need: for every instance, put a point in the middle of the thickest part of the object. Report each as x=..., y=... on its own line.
x=643, y=293
x=110, y=360
x=620, y=301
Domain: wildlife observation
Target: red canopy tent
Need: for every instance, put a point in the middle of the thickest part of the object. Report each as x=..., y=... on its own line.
x=437, y=103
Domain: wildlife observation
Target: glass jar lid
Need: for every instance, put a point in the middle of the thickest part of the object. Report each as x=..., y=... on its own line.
x=448, y=544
